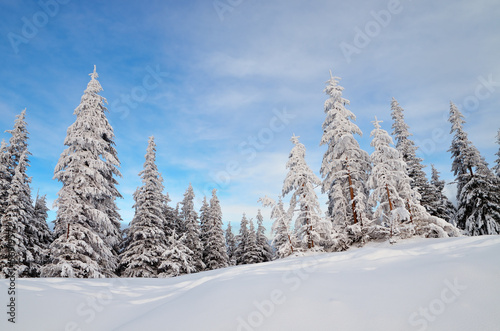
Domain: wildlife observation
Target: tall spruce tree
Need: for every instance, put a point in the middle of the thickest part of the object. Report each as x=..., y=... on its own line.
x=39, y=236
x=10, y=155
x=242, y=240
x=391, y=195
x=172, y=220
x=35, y=234
x=478, y=210
x=345, y=165
x=230, y=244
x=18, y=142
x=265, y=250
x=465, y=156
x=214, y=254
x=192, y=228
x=252, y=253
x=282, y=238
x=408, y=151
x=15, y=257
x=397, y=204
x=147, y=243
x=204, y=223
x=87, y=227
x=479, y=203
x=311, y=230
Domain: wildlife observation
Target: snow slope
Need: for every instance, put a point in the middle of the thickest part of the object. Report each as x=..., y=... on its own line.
x=419, y=284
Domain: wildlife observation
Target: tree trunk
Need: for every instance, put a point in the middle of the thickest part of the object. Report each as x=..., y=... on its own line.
x=390, y=205
x=352, y=193
x=409, y=210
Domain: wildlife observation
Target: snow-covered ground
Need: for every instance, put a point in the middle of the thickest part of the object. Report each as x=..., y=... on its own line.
x=420, y=284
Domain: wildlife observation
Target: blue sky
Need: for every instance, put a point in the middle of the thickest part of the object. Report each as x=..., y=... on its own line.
x=223, y=85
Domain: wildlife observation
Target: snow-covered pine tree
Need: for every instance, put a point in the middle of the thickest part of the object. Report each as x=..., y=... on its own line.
x=172, y=219
x=479, y=203
x=478, y=210
x=442, y=206
x=311, y=230
x=345, y=165
x=230, y=244
x=214, y=254
x=39, y=236
x=391, y=192
x=282, y=238
x=10, y=155
x=265, y=250
x=396, y=203
x=87, y=226
x=180, y=225
x=36, y=235
x=464, y=155
x=241, y=240
x=18, y=142
x=15, y=257
x=204, y=223
x=408, y=150
x=5, y=177
x=496, y=168
x=177, y=259
x=252, y=253
x=192, y=233
x=143, y=255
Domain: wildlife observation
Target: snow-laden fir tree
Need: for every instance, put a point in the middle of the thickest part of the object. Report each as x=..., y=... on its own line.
x=147, y=242
x=15, y=257
x=230, y=244
x=204, y=222
x=441, y=206
x=345, y=165
x=10, y=155
x=241, y=240
x=265, y=250
x=18, y=142
x=180, y=226
x=35, y=234
x=464, y=155
x=396, y=204
x=87, y=226
x=496, y=168
x=408, y=151
x=5, y=177
x=310, y=229
x=282, y=238
x=172, y=219
x=192, y=228
x=389, y=182
x=177, y=259
x=479, y=203
x=252, y=253
x=214, y=254
x=39, y=236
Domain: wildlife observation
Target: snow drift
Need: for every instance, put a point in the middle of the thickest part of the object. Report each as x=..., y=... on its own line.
x=418, y=284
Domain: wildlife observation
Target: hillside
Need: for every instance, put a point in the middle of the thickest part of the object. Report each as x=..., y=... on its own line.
x=419, y=284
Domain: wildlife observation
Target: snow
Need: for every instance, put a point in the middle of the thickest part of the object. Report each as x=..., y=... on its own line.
x=452, y=281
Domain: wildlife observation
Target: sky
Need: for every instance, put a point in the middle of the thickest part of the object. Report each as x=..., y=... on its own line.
x=223, y=85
